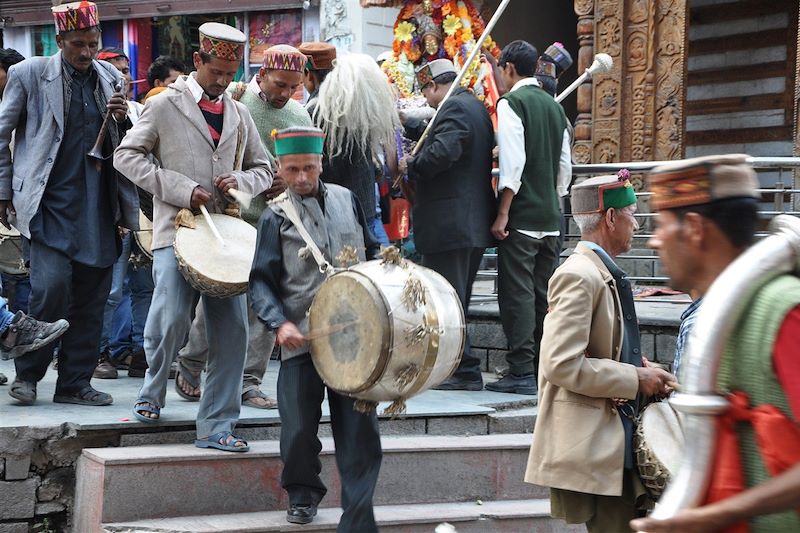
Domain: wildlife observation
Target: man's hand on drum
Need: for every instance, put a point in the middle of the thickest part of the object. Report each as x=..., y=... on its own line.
x=200, y=196
x=654, y=381
x=6, y=209
x=225, y=182
x=288, y=335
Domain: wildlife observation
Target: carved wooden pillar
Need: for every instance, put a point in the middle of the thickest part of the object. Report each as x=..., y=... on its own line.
x=635, y=112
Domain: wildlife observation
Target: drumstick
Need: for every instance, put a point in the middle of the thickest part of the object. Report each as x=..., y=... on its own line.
x=674, y=385
x=242, y=197
x=329, y=331
x=211, y=224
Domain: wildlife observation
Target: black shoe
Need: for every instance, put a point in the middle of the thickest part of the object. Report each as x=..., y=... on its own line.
x=301, y=514
x=515, y=384
x=25, y=334
x=457, y=383
x=138, y=364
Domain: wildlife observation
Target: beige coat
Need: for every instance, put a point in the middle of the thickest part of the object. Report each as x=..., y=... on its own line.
x=173, y=129
x=578, y=440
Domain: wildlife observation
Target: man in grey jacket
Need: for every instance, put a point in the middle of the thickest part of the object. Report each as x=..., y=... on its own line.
x=68, y=205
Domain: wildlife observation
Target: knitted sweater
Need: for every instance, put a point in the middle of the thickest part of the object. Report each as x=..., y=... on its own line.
x=268, y=118
x=747, y=366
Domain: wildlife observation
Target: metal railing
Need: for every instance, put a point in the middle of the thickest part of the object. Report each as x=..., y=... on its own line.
x=779, y=206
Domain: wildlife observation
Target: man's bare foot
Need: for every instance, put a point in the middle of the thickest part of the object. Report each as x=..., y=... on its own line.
x=147, y=410
x=186, y=390
x=256, y=398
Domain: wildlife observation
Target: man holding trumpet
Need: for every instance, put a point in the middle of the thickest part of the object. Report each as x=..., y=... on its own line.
x=68, y=205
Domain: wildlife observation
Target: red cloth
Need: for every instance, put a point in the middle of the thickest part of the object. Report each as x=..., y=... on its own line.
x=786, y=359
x=778, y=440
x=214, y=108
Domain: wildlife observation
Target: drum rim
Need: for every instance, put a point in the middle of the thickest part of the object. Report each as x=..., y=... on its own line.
x=387, y=340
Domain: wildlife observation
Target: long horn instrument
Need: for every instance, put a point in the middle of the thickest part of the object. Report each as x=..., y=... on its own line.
x=457, y=83
x=97, y=150
x=602, y=63
x=728, y=297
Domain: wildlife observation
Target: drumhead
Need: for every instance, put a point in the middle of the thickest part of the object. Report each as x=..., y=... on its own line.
x=349, y=332
x=663, y=434
x=144, y=237
x=200, y=250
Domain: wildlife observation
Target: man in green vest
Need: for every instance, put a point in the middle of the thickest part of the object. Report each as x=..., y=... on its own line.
x=535, y=170
x=268, y=97
x=707, y=216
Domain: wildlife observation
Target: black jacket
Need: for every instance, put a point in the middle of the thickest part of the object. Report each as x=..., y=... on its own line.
x=455, y=203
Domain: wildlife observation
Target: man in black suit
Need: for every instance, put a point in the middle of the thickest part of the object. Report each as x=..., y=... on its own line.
x=455, y=202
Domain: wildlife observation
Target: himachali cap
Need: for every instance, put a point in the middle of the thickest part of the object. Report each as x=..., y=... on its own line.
x=222, y=41
x=284, y=57
x=596, y=195
x=298, y=141
x=701, y=180
x=558, y=56
x=428, y=72
x=320, y=55
x=75, y=16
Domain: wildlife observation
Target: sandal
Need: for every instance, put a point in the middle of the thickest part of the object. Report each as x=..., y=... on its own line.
x=220, y=441
x=3, y=379
x=256, y=398
x=184, y=377
x=86, y=396
x=141, y=406
x=23, y=391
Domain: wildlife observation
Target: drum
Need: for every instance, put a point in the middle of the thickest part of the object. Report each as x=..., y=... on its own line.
x=214, y=269
x=381, y=331
x=144, y=237
x=658, y=443
x=11, y=261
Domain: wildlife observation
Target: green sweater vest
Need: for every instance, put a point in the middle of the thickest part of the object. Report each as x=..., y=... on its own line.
x=535, y=206
x=746, y=366
x=268, y=118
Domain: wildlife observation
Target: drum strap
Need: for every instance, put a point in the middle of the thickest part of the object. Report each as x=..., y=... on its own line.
x=291, y=213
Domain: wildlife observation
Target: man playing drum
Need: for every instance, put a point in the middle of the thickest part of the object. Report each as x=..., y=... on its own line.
x=592, y=370
x=707, y=216
x=283, y=282
x=220, y=134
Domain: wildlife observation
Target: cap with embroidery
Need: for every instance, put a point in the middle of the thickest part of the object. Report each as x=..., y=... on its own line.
x=428, y=72
x=596, y=195
x=75, y=16
x=701, y=180
x=222, y=41
x=320, y=55
x=557, y=55
x=284, y=57
x=298, y=141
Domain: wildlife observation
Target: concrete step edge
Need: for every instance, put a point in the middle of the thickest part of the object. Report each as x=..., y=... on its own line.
x=326, y=519
x=160, y=453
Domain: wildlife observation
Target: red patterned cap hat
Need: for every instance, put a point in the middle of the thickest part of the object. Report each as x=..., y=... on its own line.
x=222, y=41
x=284, y=57
x=75, y=16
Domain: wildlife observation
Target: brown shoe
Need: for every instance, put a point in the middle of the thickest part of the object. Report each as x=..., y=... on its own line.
x=105, y=368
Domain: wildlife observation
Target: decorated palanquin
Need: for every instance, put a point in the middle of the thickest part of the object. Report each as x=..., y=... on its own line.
x=426, y=30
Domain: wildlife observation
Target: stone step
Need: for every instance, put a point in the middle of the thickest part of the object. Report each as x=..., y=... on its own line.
x=162, y=481
x=515, y=516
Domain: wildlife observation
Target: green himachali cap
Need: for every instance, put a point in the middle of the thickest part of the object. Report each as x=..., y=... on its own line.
x=298, y=141
x=596, y=195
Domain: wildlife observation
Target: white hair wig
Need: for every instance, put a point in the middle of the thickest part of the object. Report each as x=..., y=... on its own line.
x=356, y=107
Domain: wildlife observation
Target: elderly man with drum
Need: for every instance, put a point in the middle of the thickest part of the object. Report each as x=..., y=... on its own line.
x=304, y=231
x=707, y=217
x=592, y=370
x=207, y=144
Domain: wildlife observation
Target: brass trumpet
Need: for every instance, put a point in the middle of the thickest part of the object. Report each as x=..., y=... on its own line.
x=97, y=150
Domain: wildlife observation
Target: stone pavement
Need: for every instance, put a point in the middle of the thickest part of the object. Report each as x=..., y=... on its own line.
x=179, y=412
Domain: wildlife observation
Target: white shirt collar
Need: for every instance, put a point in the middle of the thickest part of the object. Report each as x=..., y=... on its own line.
x=197, y=91
x=526, y=81
x=255, y=88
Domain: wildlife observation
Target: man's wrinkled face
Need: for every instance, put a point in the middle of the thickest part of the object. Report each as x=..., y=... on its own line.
x=677, y=260
x=433, y=93
x=301, y=172
x=625, y=227
x=214, y=76
x=279, y=85
x=79, y=47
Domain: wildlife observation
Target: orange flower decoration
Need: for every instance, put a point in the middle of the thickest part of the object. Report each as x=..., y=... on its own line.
x=451, y=46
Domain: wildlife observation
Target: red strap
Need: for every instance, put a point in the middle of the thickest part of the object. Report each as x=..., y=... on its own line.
x=778, y=440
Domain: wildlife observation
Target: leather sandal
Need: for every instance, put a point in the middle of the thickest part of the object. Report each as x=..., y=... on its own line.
x=256, y=398
x=184, y=376
x=23, y=391
x=86, y=396
x=224, y=440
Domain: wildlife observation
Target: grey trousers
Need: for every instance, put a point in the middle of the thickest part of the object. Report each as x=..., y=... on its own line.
x=260, y=342
x=165, y=331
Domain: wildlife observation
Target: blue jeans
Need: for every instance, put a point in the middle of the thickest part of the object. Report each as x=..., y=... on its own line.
x=115, y=296
x=127, y=326
x=120, y=340
x=21, y=287
x=376, y=225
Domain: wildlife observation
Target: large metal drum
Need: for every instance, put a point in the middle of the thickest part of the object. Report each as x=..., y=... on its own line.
x=144, y=237
x=381, y=331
